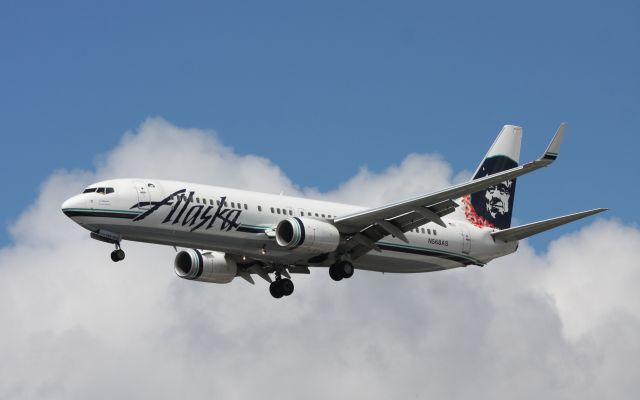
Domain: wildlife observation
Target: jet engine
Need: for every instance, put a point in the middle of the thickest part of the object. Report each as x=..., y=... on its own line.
x=307, y=235
x=210, y=266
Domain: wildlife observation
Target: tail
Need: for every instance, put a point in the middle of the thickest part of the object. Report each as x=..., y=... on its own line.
x=493, y=206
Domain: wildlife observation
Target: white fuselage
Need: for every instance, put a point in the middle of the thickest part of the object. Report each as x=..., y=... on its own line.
x=241, y=226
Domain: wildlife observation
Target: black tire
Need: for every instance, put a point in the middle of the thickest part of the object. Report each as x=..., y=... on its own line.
x=346, y=269
x=114, y=256
x=276, y=289
x=120, y=254
x=334, y=273
x=286, y=287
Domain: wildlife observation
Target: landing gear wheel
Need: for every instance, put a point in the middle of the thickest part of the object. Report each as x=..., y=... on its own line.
x=286, y=286
x=281, y=287
x=341, y=270
x=117, y=255
x=334, y=273
x=276, y=289
x=346, y=269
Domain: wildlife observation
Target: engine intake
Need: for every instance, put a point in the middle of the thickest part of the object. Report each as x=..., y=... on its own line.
x=307, y=235
x=211, y=266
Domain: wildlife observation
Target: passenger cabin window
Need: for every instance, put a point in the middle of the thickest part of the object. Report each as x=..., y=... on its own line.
x=246, y=207
x=278, y=210
x=272, y=210
x=211, y=202
x=233, y=205
x=260, y=208
x=435, y=233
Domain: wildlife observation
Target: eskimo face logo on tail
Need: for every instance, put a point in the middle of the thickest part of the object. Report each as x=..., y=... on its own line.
x=492, y=207
x=183, y=211
x=497, y=199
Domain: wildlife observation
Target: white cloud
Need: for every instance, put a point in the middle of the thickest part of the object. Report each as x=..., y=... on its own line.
x=561, y=324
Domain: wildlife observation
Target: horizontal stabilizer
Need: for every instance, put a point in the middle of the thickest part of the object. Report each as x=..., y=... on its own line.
x=524, y=231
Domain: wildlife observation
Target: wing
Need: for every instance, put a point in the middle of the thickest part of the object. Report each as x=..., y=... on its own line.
x=368, y=226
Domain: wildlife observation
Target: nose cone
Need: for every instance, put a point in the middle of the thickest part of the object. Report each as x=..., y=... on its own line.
x=70, y=205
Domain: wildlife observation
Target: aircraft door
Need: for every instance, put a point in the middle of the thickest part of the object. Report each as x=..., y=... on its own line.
x=144, y=197
x=466, y=238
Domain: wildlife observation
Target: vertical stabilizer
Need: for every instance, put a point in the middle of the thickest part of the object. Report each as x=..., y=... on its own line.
x=493, y=206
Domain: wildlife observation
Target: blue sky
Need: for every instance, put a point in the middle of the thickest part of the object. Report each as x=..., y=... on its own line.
x=322, y=89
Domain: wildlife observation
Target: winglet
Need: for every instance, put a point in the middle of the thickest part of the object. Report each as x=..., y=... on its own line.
x=554, y=147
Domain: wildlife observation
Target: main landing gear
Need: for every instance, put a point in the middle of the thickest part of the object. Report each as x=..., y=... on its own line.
x=281, y=287
x=341, y=270
x=117, y=254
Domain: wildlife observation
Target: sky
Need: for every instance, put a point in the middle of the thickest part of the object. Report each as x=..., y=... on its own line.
x=365, y=103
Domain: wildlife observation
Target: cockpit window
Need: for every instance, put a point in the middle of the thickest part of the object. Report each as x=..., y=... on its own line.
x=101, y=190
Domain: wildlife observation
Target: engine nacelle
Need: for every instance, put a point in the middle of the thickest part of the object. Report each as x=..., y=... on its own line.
x=307, y=235
x=211, y=266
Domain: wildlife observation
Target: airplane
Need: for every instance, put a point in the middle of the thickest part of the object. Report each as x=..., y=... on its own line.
x=226, y=233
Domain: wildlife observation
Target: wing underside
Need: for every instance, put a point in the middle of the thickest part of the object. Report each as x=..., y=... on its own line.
x=364, y=241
